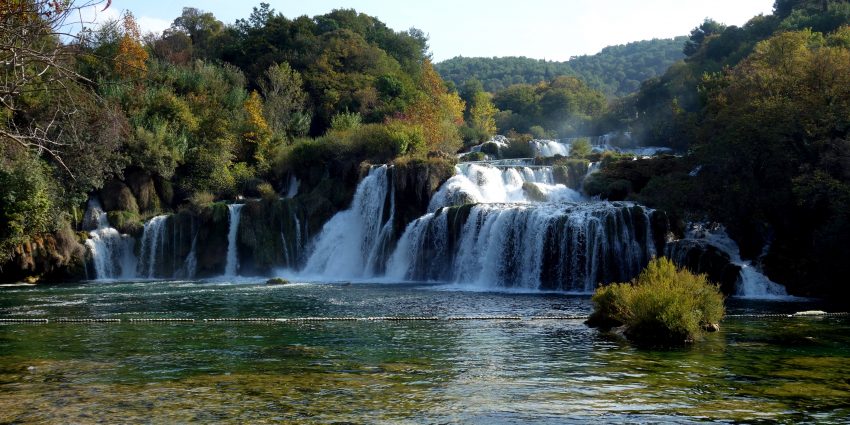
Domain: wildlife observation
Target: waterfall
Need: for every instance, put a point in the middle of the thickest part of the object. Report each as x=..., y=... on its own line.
x=484, y=183
x=112, y=252
x=190, y=265
x=292, y=187
x=549, y=148
x=153, y=246
x=352, y=243
x=563, y=247
x=232, y=265
x=751, y=282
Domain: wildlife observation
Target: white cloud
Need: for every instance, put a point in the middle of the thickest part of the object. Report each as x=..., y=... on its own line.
x=95, y=16
x=155, y=25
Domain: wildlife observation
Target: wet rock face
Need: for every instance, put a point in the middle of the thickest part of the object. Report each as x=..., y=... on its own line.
x=272, y=234
x=59, y=257
x=414, y=183
x=117, y=196
x=212, y=240
x=700, y=257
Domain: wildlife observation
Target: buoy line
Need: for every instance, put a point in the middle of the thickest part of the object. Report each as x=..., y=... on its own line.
x=144, y=320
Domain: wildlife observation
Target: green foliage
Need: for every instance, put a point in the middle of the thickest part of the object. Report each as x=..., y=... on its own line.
x=267, y=192
x=125, y=221
x=518, y=147
x=621, y=177
x=27, y=194
x=565, y=105
x=201, y=199
x=580, y=148
x=285, y=101
x=346, y=121
x=616, y=70
x=664, y=305
x=383, y=142
x=699, y=35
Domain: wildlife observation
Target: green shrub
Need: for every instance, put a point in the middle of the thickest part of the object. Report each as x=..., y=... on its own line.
x=538, y=132
x=474, y=156
x=345, y=121
x=664, y=305
x=267, y=192
x=518, y=146
x=127, y=222
x=580, y=148
x=201, y=199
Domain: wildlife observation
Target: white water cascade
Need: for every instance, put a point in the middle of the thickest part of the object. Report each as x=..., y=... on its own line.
x=549, y=148
x=112, y=252
x=153, y=243
x=354, y=242
x=484, y=183
x=751, y=282
x=231, y=267
x=563, y=247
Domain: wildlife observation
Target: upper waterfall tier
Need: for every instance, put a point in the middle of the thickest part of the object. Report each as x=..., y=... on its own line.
x=484, y=184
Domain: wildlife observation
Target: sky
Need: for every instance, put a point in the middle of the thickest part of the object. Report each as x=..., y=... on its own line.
x=541, y=29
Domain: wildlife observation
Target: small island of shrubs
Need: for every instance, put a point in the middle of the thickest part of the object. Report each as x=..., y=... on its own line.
x=664, y=305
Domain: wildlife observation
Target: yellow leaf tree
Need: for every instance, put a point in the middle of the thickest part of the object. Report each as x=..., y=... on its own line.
x=131, y=57
x=257, y=132
x=437, y=111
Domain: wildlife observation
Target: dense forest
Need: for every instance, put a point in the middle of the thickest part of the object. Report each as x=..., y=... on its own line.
x=764, y=112
x=208, y=111
x=203, y=112
x=615, y=71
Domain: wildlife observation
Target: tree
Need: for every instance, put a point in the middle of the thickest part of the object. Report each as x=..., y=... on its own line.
x=284, y=107
x=437, y=111
x=699, y=34
x=482, y=115
x=201, y=27
x=131, y=57
x=35, y=61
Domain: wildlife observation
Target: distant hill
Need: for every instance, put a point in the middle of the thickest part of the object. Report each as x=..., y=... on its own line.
x=616, y=70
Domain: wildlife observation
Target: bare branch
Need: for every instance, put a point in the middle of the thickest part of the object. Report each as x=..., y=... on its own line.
x=35, y=57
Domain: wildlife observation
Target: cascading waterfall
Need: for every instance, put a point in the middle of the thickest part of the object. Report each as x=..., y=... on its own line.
x=549, y=148
x=353, y=243
x=563, y=247
x=232, y=265
x=484, y=183
x=112, y=252
x=751, y=282
x=292, y=187
x=153, y=246
x=190, y=265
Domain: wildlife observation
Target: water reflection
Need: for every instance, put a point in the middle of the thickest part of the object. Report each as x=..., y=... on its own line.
x=779, y=369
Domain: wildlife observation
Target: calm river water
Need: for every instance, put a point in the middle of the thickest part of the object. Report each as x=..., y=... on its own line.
x=441, y=371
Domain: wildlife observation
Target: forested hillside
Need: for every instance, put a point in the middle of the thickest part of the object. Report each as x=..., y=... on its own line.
x=764, y=112
x=616, y=70
x=204, y=112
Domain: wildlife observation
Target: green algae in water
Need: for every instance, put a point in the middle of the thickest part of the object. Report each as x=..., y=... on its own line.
x=776, y=370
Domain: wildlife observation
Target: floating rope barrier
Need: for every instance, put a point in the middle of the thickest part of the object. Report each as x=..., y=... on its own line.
x=23, y=321
x=84, y=320
x=802, y=314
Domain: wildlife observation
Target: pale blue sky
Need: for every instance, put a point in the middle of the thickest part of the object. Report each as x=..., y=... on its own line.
x=549, y=29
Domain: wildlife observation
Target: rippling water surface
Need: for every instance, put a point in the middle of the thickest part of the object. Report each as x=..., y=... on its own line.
x=493, y=372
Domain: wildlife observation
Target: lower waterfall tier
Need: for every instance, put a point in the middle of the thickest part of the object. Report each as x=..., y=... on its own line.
x=560, y=247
